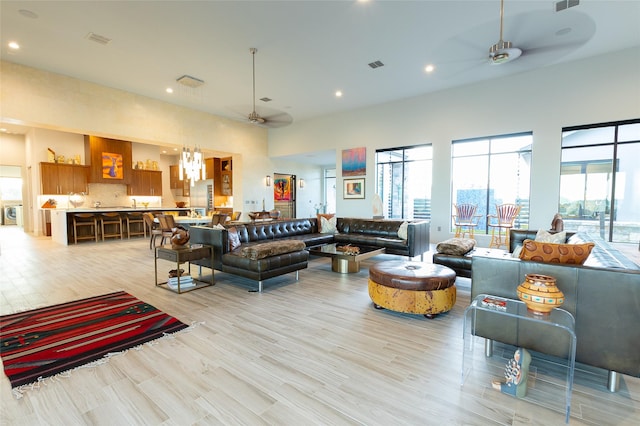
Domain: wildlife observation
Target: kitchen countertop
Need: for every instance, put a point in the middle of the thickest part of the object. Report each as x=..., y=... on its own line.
x=122, y=209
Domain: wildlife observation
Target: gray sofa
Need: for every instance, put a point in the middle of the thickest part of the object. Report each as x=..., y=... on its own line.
x=378, y=233
x=603, y=295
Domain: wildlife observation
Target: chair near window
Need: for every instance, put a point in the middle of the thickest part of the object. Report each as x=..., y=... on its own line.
x=465, y=219
x=503, y=220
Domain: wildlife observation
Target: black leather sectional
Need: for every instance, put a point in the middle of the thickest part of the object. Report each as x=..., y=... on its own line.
x=377, y=233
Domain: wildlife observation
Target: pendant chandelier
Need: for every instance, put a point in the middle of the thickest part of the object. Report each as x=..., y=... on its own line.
x=192, y=165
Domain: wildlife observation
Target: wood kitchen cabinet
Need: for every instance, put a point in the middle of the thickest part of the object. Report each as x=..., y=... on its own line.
x=63, y=178
x=174, y=177
x=209, y=164
x=175, y=183
x=145, y=182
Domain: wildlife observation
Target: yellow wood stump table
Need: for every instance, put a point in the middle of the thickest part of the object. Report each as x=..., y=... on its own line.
x=412, y=287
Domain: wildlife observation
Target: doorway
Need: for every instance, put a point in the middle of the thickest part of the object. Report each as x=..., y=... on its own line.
x=284, y=194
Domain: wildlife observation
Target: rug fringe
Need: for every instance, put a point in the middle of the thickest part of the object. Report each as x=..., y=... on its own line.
x=19, y=391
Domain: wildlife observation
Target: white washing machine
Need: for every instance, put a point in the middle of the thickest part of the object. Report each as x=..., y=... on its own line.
x=10, y=215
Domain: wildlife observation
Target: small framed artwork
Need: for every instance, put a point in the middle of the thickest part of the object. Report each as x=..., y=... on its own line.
x=112, y=166
x=353, y=188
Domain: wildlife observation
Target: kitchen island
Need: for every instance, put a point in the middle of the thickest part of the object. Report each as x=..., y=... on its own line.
x=62, y=219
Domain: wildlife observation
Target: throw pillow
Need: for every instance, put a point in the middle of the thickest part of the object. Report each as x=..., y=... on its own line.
x=218, y=226
x=572, y=254
x=234, y=238
x=547, y=237
x=516, y=252
x=402, y=231
x=326, y=216
x=456, y=246
x=328, y=226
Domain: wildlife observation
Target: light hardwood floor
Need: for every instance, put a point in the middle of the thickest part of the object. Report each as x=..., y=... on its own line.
x=308, y=352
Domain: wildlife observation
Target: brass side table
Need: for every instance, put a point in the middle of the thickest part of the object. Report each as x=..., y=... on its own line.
x=180, y=256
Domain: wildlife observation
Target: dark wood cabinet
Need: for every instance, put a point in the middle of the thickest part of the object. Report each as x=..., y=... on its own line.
x=210, y=168
x=63, y=178
x=174, y=177
x=183, y=185
x=145, y=182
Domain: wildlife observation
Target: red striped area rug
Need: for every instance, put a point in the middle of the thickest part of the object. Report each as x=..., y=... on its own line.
x=43, y=342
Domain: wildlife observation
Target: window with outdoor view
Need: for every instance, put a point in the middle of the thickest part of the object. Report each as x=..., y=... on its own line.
x=599, y=178
x=403, y=181
x=491, y=171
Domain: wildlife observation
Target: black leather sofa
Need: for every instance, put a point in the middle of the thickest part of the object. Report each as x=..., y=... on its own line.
x=603, y=295
x=377, y=233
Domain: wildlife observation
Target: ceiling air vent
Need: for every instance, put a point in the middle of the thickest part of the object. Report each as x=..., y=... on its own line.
x=266, y=99
x=98, y=38
x=566, y=4
x=376, y=64
x=187, y=80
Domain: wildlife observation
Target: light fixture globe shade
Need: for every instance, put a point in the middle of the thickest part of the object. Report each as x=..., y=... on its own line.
x=502, y=52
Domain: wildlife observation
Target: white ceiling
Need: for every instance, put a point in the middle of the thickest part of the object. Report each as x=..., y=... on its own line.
x=306, y=49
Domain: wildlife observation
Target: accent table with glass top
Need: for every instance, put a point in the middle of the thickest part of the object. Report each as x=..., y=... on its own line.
x=509, y=321
x=345, y=263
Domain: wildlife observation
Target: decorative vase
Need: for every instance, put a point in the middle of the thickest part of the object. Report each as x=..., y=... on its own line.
x=180, y=238
x=540, y=293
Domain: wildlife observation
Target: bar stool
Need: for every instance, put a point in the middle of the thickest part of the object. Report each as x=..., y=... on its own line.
x=136, y=218
x=113, y=220
x=85, y=220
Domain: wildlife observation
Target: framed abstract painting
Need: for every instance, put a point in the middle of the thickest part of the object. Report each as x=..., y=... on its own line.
x=353, y=189
x=354, y=162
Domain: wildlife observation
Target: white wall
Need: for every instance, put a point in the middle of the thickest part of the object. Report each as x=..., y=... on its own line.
x=600, y=89
x=45, y=100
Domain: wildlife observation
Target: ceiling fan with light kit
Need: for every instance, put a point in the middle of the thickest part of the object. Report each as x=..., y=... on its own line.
x=536, y=38
x=267, y=117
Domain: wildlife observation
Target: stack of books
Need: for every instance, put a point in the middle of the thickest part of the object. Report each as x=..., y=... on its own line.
x=186, y=281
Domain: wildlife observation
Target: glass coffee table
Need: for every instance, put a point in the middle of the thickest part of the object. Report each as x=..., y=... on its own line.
x=345, y=263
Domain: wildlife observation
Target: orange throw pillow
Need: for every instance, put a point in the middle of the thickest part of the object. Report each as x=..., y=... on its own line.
x=571, y=254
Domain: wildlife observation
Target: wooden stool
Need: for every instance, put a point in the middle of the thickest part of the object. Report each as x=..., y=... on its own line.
x=136, y=218
x=85, y=220
x=114, y=220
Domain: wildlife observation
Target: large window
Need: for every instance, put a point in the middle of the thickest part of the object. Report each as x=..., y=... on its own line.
x=599, y=180
x=491, y=171
x=403, y=181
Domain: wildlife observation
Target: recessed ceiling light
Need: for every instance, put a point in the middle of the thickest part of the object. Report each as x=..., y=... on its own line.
x=169, y=90
x=338, y=93
x=175, y=149
x=14, y=45
x=164, y=151
x=429, y=68
x=3, y=130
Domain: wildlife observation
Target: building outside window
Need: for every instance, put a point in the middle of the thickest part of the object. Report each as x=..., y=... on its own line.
x=403, y=181
x=599, y=180
x=491, y=171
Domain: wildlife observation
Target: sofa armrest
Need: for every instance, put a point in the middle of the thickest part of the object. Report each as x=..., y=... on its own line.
x=218, y=239
x=418, y=237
